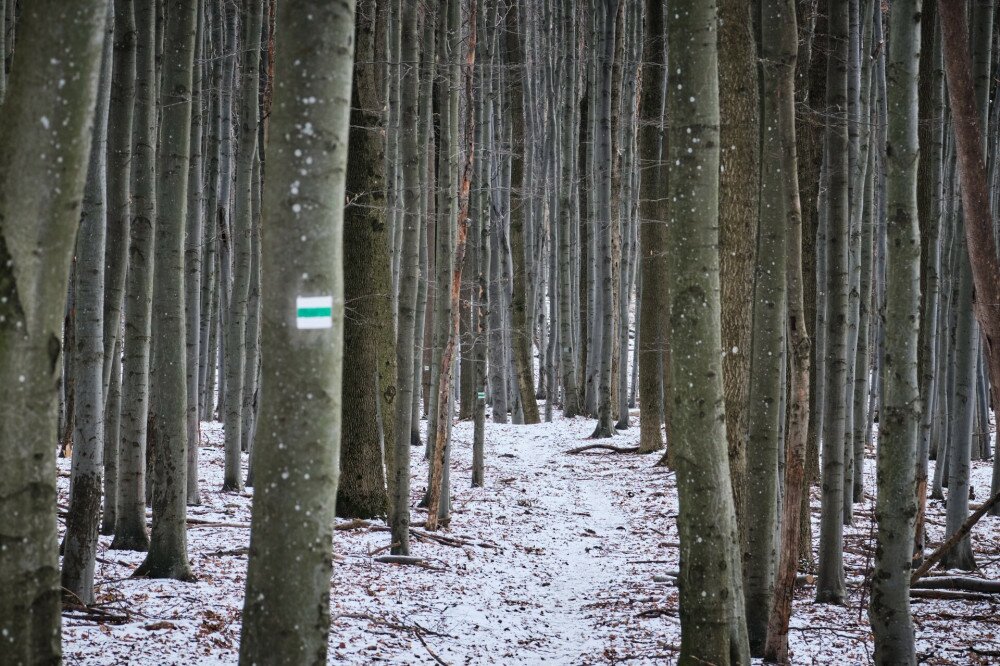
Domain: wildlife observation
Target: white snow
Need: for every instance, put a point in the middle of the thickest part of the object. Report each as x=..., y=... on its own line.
x=570, y=566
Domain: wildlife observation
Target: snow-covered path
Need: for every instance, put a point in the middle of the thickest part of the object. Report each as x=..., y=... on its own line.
x=566, y=564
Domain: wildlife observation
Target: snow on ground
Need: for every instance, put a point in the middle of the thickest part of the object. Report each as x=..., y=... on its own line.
x=567, y=565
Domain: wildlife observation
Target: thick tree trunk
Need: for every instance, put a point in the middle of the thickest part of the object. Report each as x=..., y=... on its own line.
x=899, y=416
x=287, y=609
x=45, y=135
x=369, y=338
x=738, y=218
x=711, y=589
x=975, y=195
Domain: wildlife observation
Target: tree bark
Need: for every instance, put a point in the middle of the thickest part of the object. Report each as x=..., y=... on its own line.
x=369, y=338
x=899, y=416
x=86, y=482
x=45, y=130
x=710, y=585
x=830, y=581
x=286, y=615
x=520, y=330
x=739, y=206
x=167, y=556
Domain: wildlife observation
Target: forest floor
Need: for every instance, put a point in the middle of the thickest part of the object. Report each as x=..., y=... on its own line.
x=566, y=561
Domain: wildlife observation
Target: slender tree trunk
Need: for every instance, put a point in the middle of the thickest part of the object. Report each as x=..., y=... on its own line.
x=778, y=18
x=45, y=130
x=520, y=330
x=830, y=581
x=167, y=557
x=409, y=275
x=766, y=367
x=119, y=157
x=86, y=482
x=653, y=211
x=287, y=611
x=242, y=225
x=130, y=528
x=192, y=264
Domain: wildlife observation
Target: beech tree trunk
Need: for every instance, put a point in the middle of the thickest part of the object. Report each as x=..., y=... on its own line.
x=286, y=614
x=46, y=124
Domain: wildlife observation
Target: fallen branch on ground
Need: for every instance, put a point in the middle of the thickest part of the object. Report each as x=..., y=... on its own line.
x=604, y=447
x=958, y=583
x=943, y=549
x=917, y=593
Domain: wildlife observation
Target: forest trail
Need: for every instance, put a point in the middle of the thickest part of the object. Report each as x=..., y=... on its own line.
x=570, y=580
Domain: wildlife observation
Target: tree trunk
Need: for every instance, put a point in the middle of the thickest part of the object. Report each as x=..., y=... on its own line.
x=287, y=611
x=369, y=338
x=653, y=211
x=409, y=275
x=766, y=367
x=780, y=52
x=711, y=590
x=739, y=189
x=520, y=329
x=192, y=265
x=242, y=225
x=45, y=137
x=899, y=416
x=86, y=482
x=167, y=557
x=130, y=528
x=830, y=581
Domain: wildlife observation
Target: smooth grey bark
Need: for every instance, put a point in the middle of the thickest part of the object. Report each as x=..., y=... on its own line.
x=497, y=347
x=780, y=49
x=119, y=167
x=167, y=556
x=900, y=413
x=963, y=411
x=192, y=264
x=112, y=437
x=45, y=135
x=710, y=581
x=130, y=527
x=409, y=275
x=87, y=471
x=286, y=615
x=603, y=220
x=119, y=158
x=242, y=224
x=830, y=579
x=767, y=374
